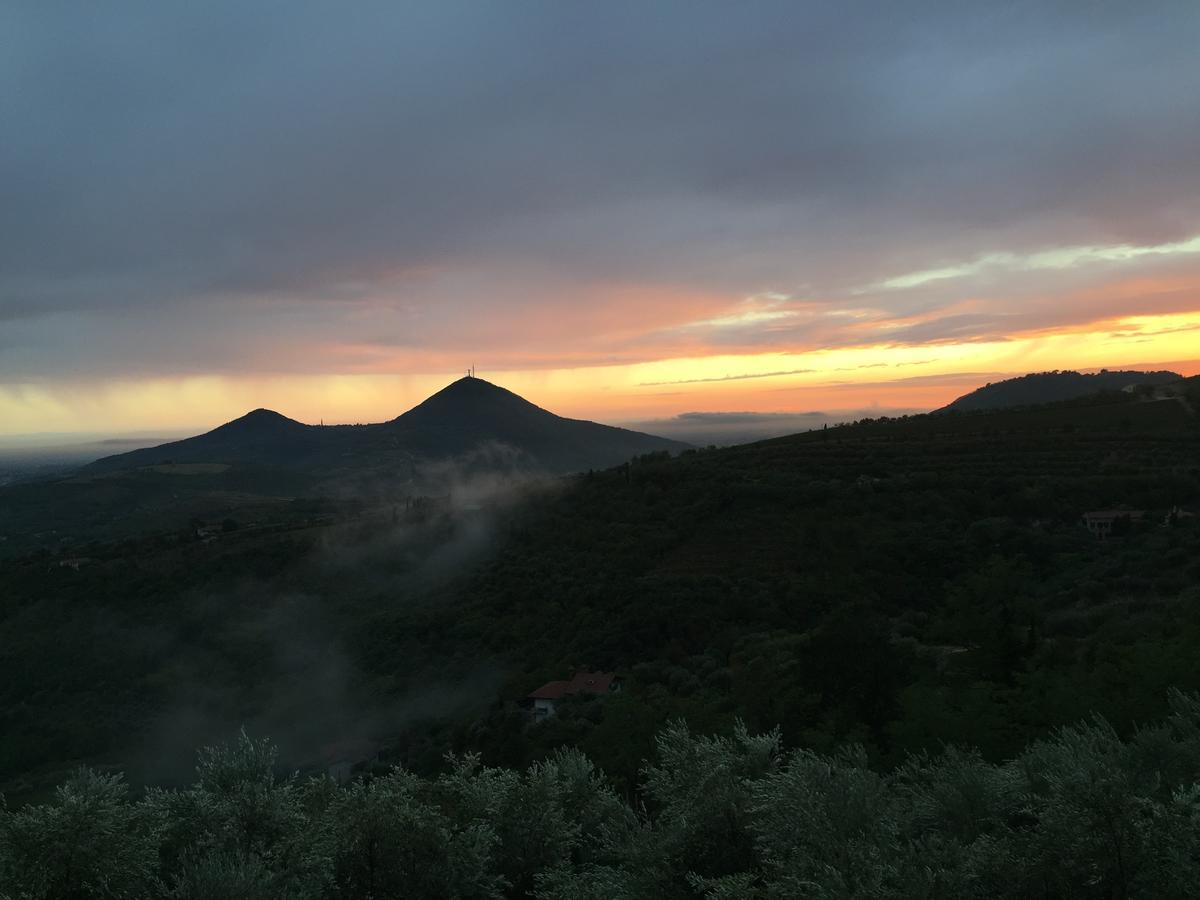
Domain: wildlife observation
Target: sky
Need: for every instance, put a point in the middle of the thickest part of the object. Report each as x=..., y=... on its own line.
x=622, y=211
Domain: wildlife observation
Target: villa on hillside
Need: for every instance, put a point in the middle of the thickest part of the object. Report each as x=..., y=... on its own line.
x=544, y=701
x=1100, y=522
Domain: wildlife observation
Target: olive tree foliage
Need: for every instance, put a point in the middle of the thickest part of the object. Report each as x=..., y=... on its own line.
x=1083, y=813
x=954, y=810
x=240, y=825
x=557, y=813
x=1080, y=814
x=588, y=882
x=388, y=838
x=89, y=841
x=1118, y=816
x=690, y=830
x=699, y=794
x=826, y=826
x=219, y=875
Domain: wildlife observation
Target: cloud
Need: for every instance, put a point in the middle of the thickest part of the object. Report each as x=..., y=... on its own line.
x=237, y=189
x=740, y=377
x=1057, y=258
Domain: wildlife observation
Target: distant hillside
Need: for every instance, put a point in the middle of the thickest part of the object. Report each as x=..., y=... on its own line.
x=902, y=583
x=1051, y=387
x=469, y=415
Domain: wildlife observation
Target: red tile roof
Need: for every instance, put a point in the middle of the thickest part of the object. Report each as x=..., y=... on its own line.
x=581, y=683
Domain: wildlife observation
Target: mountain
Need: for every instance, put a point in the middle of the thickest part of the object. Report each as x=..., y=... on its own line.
x=1052, y=387
x=471, y=413
x=261, y=437
x=467, y=416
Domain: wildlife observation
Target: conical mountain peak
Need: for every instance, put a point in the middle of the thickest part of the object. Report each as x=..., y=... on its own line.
x=471, y=395
x=472, y=412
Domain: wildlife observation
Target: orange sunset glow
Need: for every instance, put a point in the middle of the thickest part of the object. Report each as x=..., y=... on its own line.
x=850, y=378
x=610, y=251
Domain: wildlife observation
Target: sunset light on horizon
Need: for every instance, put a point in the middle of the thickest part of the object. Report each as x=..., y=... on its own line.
x=607, y=225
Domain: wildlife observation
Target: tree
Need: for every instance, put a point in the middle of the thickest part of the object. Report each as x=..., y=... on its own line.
x=239, y=820
x=699, y=792
x=389, y=840
x=89, y=842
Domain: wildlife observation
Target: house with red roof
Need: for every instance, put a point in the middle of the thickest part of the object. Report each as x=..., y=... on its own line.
x=544, y=701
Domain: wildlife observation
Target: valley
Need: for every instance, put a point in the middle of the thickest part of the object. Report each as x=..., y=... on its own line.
x=899, y=582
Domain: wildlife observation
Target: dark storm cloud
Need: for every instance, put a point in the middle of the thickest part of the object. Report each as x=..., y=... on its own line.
x=217, y=178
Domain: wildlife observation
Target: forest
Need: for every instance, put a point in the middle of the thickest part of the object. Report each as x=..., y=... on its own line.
x=1079, y=814
x=912, y=607
x=896, y=583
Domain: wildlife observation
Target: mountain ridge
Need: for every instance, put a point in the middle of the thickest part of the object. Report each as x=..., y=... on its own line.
x=466, y=415
x=1051, y=387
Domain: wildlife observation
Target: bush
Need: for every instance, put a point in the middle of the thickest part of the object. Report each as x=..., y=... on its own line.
x=1082, y=813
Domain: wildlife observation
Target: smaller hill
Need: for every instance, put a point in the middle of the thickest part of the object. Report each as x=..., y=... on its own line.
x=262, y=437
x=260, y=422
x=1052, y=387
